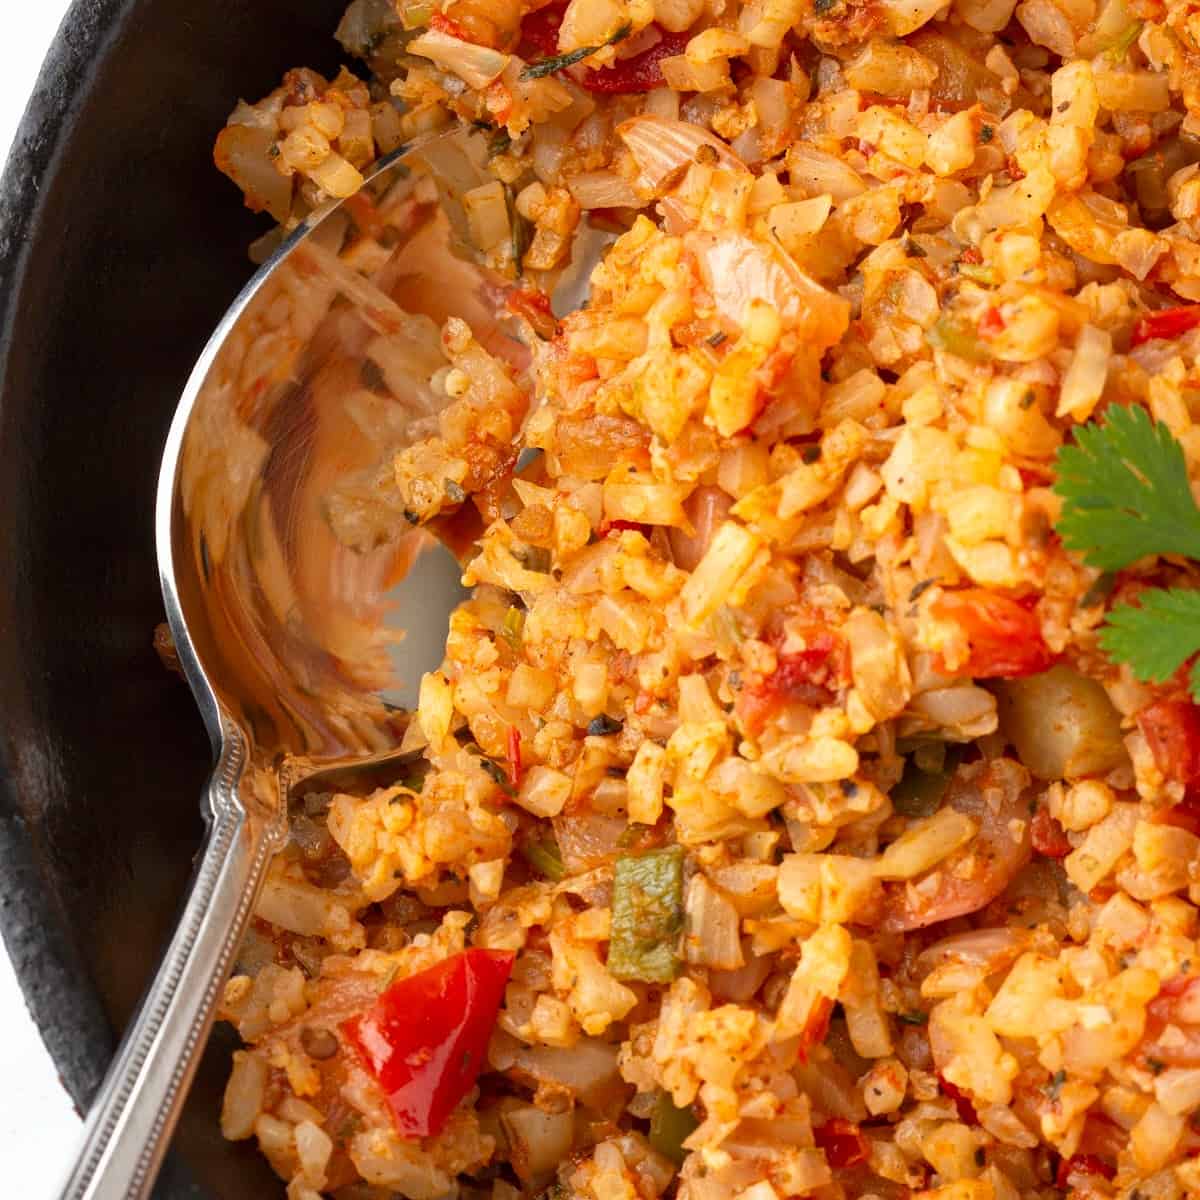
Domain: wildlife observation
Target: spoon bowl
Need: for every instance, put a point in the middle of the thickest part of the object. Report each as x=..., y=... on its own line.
x=301, y=622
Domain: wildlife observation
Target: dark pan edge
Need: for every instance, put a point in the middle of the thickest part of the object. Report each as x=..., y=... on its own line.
x=58, y=991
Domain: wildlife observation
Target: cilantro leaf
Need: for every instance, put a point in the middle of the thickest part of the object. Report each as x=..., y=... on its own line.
x=1125, y=492
x=1156, y=636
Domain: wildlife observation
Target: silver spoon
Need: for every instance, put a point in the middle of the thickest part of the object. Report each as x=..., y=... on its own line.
x=289, y=639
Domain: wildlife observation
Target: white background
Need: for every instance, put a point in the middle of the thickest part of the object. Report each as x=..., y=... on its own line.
x=36, y=1119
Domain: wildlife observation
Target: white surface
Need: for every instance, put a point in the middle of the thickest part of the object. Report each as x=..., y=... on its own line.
x=36, y=1120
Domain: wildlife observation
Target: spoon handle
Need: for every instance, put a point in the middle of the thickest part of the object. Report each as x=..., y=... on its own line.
x=132, y=1118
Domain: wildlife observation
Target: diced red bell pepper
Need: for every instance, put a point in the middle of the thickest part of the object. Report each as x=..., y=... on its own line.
x=1166, y=324
x=1005, y=638
x=1049, y=837
x=638, y=73
x=842, y=1142
x=1082, y=1164
x=425, y=1038
x=1172, y=731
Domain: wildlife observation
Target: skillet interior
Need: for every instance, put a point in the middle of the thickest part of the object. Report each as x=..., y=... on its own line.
x=120, y=246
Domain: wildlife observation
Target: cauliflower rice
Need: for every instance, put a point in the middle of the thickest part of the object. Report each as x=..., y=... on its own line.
x=775, y=745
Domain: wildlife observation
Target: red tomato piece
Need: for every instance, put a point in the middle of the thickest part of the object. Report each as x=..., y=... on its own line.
x=966, y=1109
x=822, y=663
x=425, y=1038
x=1082, y=1164
x=514, y=755
x=448, y=26
x=1172, y=730
x=991, y=323
x=809, y=676
x=639, y=73
x=842, y=1142
x=1048, y=835
x=1166, y=324
x=1004, y=636
x=540, y=29
x=817, y=1027
x=606, y=527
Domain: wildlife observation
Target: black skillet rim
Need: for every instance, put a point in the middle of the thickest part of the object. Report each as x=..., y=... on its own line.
x=58, y=992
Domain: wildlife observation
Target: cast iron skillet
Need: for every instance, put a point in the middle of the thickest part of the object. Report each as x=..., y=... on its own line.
x=120, y=246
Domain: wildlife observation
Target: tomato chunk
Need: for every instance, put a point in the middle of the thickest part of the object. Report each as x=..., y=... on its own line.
x=842, y=1142
x=809, y=676
x=425, y=1038
x=514, y=755
x=1049, y=838
x=991, y=323
x=1172, y=731
x=816, y=1028
x=540, y=28
x=1166, y=324
x=1082, y=1164
x=639, y=73
x=966, y=1109
x=448, y=26
x=1005, y=638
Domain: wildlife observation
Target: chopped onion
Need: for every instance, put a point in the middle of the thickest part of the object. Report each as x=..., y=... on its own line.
x=588, y=1069
x=244, y=1095
x=587, y=839
x=663, y=149
x=992, y=948
x=712, y=927
x=1063, y=724
x=601, y=189
x=739, y=985
x=814, y=173
x=538, y=1141
x=476, y=66
x=487, y=215
x=736, y=270
x=243, y=153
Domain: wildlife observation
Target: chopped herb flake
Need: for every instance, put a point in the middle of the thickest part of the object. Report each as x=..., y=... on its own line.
x=604, y=725
x=560, y=62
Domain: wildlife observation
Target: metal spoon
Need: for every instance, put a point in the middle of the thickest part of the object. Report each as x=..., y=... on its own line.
x=287, y=636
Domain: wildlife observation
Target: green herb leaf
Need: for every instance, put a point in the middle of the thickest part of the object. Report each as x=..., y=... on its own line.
x=920, y=791
x=1156, y=636
x=545, y=857
x=1125, y=492
x=670, y=1127
x=499, y=142
x=513, y=629
x=1118, y=51
x=604, y=726
x=978, y=273
x=560, y=62
x=955, y=338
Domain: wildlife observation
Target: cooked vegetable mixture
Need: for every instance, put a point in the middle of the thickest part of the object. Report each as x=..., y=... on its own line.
x=808, y=802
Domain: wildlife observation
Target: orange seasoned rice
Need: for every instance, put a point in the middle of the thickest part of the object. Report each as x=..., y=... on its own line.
x=777, y=746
